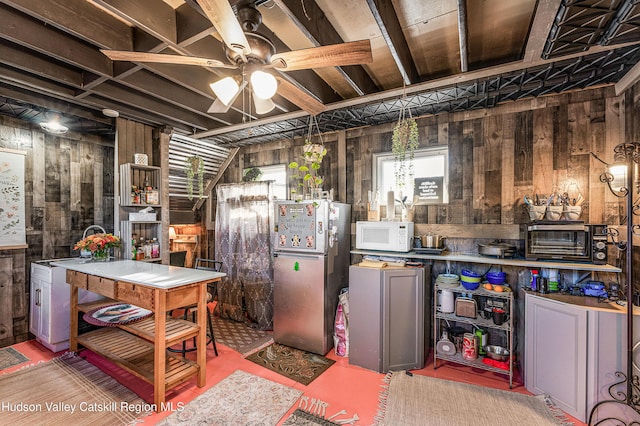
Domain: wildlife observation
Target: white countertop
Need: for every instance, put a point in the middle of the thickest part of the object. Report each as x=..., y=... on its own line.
x=447, y=256
x=146, y=273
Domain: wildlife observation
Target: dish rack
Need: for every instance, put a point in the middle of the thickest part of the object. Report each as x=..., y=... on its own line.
x=501, y=335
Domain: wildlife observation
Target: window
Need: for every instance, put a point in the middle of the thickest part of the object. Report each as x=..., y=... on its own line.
x=276, y=173
x=430, y=171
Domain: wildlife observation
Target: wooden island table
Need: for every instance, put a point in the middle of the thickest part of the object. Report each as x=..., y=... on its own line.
x=141, y=347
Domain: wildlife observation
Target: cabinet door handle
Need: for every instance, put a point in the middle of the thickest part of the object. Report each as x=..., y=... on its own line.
x=38, y=297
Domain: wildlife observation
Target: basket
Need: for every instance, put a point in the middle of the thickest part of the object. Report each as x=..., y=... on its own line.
x=142, y=159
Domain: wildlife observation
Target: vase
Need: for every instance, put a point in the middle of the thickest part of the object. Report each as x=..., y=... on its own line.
x=100, y=255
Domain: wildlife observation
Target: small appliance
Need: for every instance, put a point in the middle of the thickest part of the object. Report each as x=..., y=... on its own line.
x=573, y=241
x=384, y=236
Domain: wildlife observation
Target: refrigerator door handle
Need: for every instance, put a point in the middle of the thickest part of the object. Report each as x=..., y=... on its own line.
x=298, y=255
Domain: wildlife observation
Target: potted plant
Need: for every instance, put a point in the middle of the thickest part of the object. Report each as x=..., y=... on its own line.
x=404, y=142
x=306, y=171
x=252, y=175
x=194, y=165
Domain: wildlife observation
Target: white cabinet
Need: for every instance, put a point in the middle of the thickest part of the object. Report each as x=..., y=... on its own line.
x=572, y=353
x=50, y=314
x=387, y=323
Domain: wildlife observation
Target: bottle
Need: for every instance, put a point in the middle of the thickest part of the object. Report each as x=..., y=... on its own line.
x=147, y=249
x=140, y=249
x=534, y=280
x=155, y=249
x=133, y=249
x=553, y=280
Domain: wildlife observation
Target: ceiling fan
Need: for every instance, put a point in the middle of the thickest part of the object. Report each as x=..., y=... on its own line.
x=255, y=55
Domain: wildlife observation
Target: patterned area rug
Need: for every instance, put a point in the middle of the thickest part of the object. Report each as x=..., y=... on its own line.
x=67, y=391
x=424, y=401
x=240, y=337
x=301, y=366
x=239, y=399
x=10, y=357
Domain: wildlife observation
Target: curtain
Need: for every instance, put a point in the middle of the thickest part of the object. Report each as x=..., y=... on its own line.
x=242, y=244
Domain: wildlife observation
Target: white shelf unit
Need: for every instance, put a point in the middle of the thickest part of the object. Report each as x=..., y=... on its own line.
x=506, y=329
x=135, y=175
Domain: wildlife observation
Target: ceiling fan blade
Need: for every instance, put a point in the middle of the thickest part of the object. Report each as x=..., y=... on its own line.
x=122, y=55
x=335, y=55
x=224, y=20
x=299, y=97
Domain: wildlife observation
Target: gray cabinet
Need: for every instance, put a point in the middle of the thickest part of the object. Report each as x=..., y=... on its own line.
x=556, y=352
x=572, y=353
x=387, y=322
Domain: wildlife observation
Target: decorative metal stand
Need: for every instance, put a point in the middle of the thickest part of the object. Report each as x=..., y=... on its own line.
x=628, y=154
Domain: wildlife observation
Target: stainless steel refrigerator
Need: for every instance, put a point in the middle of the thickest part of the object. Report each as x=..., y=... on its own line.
x=311, y=248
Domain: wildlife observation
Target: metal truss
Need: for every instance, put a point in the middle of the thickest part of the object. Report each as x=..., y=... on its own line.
x=557, y=77
x=580, y=24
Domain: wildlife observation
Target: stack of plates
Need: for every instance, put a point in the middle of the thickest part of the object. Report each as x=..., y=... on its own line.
x=448, y=280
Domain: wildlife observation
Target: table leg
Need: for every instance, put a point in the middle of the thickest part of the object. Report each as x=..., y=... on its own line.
x=73, y=324
x=159, y=348
x=202, y=334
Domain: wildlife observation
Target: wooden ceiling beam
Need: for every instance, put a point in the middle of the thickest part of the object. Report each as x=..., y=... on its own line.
x=462, y=35
x=154, y=17
x=48, y=41
x=111, y=90
x=387, y=20
x=22, y=59
x=311, y=20
x=546, y=11
x=60, y=105
x=80, y=18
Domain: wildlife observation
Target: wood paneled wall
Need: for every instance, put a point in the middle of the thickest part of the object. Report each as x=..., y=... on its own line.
x=68, y=186
x=496, y=157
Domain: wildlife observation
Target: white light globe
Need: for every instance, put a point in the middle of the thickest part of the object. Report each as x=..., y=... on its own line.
x=264, y=84
x=225, y=89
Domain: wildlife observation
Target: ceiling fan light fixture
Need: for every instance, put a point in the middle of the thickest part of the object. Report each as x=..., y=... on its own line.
x=225, y=89
x=263, y=106
x=264, y=84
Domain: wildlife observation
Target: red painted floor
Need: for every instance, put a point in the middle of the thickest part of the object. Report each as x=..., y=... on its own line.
x=342, y=386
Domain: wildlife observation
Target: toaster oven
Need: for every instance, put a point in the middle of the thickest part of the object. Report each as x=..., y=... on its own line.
x=568, y=241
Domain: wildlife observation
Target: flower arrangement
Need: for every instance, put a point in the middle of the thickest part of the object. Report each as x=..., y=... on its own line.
x=98, y=243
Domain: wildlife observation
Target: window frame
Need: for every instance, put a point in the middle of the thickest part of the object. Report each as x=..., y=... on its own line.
x=437, y=150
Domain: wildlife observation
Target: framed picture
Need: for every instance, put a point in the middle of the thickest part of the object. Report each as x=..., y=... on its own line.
x=12, y=205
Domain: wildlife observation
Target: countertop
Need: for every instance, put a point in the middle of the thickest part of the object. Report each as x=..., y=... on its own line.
x=585, y=302
x=145, y=273
x=447, y=256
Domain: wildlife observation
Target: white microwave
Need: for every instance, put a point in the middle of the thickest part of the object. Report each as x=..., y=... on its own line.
x=384, y=236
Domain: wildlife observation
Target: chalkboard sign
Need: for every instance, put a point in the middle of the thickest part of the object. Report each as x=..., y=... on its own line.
x=429, y=190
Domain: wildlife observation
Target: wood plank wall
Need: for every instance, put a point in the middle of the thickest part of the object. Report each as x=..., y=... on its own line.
x=68, y=186
x=496, y=157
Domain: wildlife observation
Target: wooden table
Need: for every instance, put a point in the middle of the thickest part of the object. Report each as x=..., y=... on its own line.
x=140, y=347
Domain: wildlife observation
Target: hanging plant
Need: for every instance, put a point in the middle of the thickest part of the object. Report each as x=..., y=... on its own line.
x=252, y=175
x=194, y=165
x=404, y=142
x=306, y=171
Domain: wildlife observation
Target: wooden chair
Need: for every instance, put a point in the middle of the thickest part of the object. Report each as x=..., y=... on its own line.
x=208, y=265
